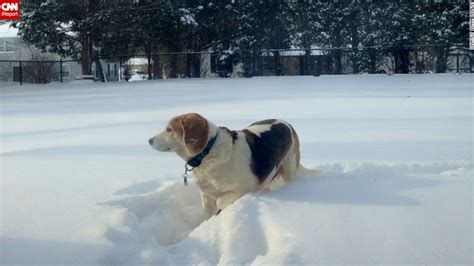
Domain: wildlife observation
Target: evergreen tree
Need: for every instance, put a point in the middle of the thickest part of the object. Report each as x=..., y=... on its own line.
x=69, y=28
x=335, y=19
x=262, y=25
x=241, y=29
x=216, y=31
x=157, y=28
x=121, y=31
x=445, y=27
x=401, y=30
x=244, y=28
x=306, y=29
x=83, y=28
x=437, y=32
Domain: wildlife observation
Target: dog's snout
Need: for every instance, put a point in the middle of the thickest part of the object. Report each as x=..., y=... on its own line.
x=151, y=141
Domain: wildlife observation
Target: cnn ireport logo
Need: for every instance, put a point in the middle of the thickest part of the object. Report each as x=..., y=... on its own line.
x=9, y=9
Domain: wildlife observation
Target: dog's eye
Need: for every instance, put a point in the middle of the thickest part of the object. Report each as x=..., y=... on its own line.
x=168, y=129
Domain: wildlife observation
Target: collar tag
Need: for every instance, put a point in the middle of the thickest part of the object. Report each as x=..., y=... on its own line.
x=187, y=168
x=196, y=160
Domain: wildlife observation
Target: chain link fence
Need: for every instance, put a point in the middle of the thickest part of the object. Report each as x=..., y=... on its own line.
x=286, y=62
x=37, y=71
x=374, y=60
x=274, y=62
x=164, y=65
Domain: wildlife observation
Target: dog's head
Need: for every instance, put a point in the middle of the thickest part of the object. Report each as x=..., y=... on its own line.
x=185, y=134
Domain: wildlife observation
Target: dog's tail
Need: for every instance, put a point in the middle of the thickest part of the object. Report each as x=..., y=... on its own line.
x=303, y=171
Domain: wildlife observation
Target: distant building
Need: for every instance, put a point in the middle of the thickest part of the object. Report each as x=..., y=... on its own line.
x=14, y=49
x=111, y=70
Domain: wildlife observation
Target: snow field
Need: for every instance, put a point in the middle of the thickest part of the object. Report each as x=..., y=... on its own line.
x=81, y=185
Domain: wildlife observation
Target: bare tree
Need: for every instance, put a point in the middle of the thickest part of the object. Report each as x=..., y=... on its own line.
x=42, y=70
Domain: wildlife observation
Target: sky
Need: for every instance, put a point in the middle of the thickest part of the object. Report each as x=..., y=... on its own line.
x=6, y=31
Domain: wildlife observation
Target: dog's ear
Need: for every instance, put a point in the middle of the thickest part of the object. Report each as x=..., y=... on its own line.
x=195, y=132
x=177, y=125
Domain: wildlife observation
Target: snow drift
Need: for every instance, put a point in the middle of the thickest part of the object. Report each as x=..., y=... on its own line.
x=293, y=225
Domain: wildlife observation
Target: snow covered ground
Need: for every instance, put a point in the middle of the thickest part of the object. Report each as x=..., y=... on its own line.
x=79, y=183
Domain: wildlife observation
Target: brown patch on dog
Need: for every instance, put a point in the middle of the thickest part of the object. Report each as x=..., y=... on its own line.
x=268, y=149
x=232, y=133
x=193, y=129
x=196, y=132
x=177, y=125
x=296, y=146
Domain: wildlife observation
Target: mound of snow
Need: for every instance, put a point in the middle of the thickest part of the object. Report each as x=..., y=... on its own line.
x=299, y=224
x=168, y=214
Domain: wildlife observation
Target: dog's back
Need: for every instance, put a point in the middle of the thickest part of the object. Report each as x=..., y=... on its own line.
x=269, y=142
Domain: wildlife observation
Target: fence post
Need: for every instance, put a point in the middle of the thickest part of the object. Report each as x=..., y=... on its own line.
x=471, y=62
x=457, y=63
x=256, y=67
x=149, y=65
x=188, y=65
x=119, y=71
x=416, y=61
x=216, y=61
x=60, y=70
x=21, y=74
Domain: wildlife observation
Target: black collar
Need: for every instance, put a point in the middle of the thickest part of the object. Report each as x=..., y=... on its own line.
x=196, y=160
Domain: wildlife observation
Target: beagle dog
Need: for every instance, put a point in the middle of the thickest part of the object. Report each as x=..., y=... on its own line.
x=227, y=163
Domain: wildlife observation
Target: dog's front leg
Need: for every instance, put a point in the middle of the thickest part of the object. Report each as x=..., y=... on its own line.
x=228, y=198
x=208, y=205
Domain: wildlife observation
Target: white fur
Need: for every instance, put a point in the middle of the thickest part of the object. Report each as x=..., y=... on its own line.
x=259, y=129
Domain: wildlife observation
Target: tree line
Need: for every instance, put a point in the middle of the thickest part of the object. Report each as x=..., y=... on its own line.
x=240, y=29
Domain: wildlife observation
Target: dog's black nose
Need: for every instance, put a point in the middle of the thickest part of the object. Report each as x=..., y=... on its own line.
x=150, y=141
